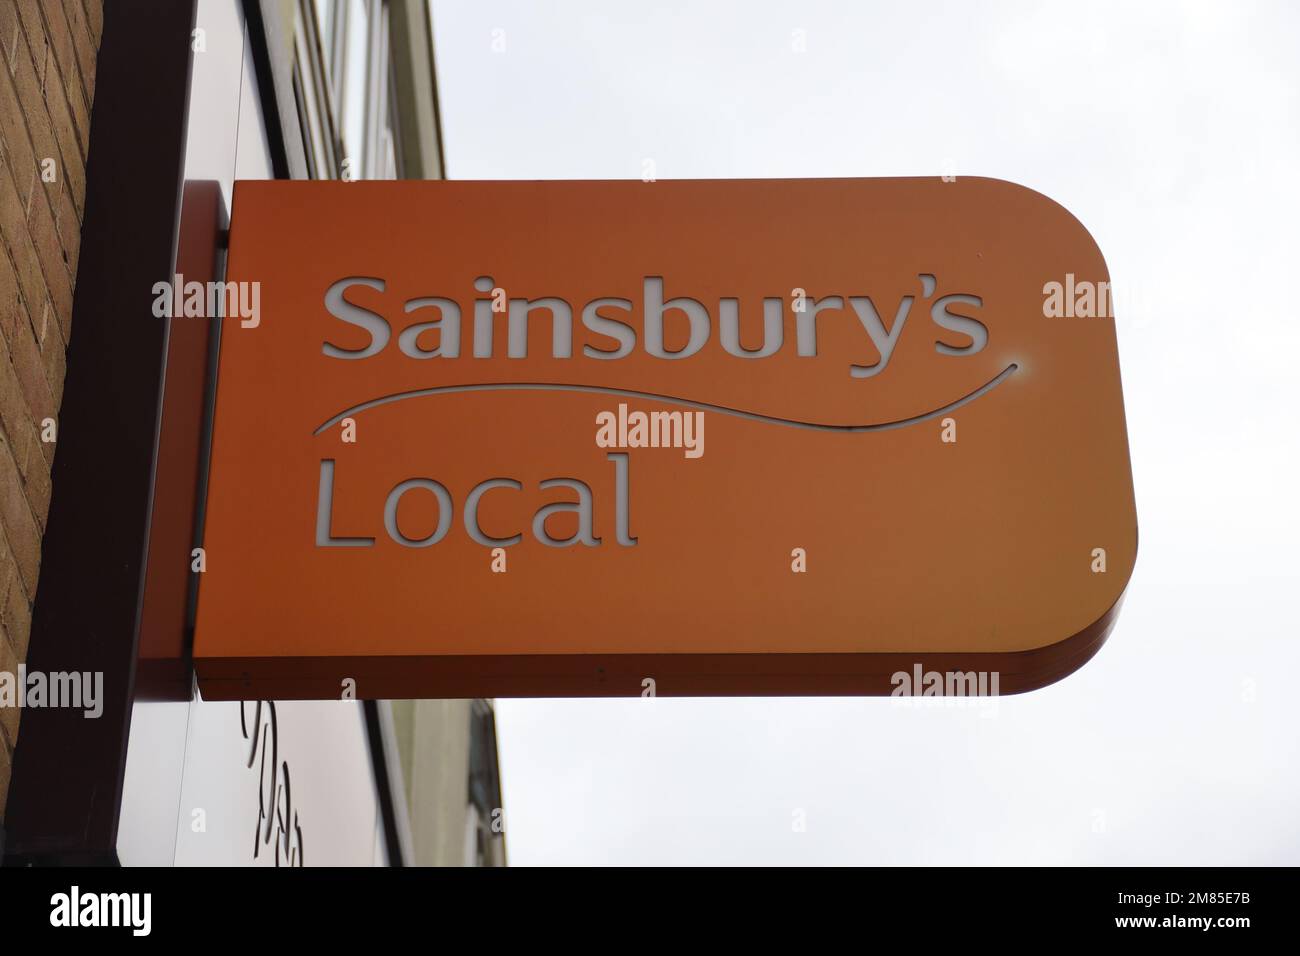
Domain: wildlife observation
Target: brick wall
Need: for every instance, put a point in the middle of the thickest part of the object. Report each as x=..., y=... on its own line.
x=47, y=86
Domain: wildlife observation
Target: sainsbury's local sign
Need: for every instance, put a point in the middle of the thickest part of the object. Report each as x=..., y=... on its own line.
x=575, y=438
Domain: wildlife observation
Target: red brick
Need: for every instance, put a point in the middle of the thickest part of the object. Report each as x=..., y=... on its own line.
x=33, y=51
x=60, y=36
x=11, y=31
x=23, y=426
x=47, y=64
x=82, y=45
x=45, y=144
x=30, y=286
x=16, y=614
x=21, y=529
x=11, y=305
x=37, y=485
x=13, y=230
x=30, y=369
x=7, y=570
x=54, y=357
x=65, y=128
x=17, y=172
x=65, y=327
x=29, y=73
x=26, y=71
x=14, y=411
x=95, y=19
x=69, y=226
x=54, y=263
x=66, y=176
x=33, y=24
x=80, y=104
x=18, y=151
x=35, y=459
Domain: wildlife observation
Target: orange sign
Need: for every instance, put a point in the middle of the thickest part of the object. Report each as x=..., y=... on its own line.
x=691, y=437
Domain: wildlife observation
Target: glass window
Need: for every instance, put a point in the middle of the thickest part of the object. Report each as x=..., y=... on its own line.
x=343, y=84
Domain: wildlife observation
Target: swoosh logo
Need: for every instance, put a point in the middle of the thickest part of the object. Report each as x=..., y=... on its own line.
x=670, y=400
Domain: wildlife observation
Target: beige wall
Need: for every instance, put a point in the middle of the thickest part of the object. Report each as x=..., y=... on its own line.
x=433, y=742
x=47, y=86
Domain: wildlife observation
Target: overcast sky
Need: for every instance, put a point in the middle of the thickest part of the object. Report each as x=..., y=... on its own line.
x=1172, y=130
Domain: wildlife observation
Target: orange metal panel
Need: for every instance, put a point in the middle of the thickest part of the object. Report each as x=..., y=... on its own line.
x=980, y=553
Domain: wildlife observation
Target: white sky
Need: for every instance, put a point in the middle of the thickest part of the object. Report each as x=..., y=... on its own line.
x=1172, y=130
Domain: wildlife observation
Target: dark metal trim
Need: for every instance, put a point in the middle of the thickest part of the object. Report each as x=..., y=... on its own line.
x=383, y=783
x=66, y=791
x=404, y=677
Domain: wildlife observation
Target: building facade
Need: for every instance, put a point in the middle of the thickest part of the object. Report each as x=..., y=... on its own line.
x=150, y=110
x=46, y=95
